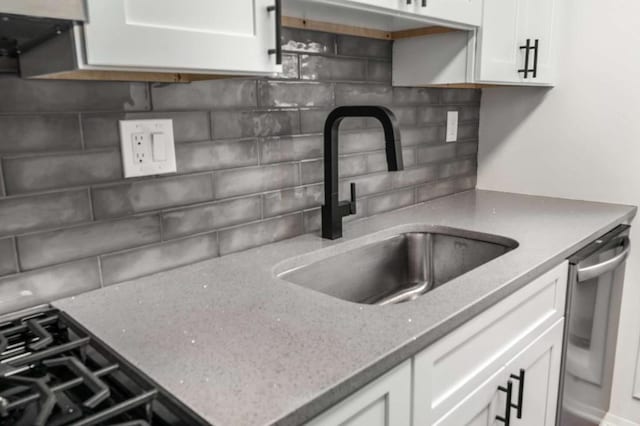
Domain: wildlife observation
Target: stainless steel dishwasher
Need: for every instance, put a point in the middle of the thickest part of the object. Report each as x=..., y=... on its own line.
x=596, y=276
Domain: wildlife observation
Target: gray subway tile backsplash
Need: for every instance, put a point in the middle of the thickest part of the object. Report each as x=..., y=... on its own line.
x=205, y=217
x=416, y=96
x=290, y=94
x=260, y=233
x=243, y=124
x=379, y=71
x=135, y=263
x=144, y=195
x=212, y=94
x=39, y=133
x=294, y=40
x=314, y=67
x=102, y=130
x=27, y=289
x=63, y=245
x=215, y=155
x=359, y=46
x=250, y=180
x=41, y=172
x=45, y=211
x=365, y=94
x=290, y=67
x=431, y=190
x=290, y=148
x=291, y=200
x=391, y=201
x=20, y=95
x=7, y=257
x=249, y=154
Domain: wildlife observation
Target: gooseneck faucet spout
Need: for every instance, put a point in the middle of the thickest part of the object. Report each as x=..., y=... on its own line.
x=333, y=209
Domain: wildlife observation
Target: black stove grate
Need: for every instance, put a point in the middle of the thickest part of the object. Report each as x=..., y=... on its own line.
x=53, y=373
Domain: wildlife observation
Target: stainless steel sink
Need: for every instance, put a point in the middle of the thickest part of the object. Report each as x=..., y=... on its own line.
x=399, y=268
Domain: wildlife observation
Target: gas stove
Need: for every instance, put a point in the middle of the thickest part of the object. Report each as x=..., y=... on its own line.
x=54, y=373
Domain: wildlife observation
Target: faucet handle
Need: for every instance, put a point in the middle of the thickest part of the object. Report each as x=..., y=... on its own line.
x=352, y=203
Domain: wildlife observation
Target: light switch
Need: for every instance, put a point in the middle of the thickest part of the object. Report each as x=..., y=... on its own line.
x=147, y=147
x=159, y=147
x=452, y=126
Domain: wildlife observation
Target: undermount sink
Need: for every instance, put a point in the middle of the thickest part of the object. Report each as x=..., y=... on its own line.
x=399, y=268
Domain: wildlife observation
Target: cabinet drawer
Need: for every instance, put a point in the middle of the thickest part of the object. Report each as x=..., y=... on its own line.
x=451, y=368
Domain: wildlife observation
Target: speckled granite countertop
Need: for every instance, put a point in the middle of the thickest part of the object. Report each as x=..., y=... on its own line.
x=242, y=347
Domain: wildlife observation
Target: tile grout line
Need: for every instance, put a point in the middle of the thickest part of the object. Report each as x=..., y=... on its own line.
x=83, y=145
x=16, y=255
x=100, y=272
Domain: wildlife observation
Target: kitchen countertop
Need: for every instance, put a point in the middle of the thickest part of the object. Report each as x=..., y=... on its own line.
x=242, y=347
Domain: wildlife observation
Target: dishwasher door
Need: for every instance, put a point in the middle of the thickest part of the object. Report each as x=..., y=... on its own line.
x=596, y=276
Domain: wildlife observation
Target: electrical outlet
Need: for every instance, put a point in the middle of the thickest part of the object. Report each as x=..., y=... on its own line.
x=140, y=148
x=452, y=126
x=148, y=147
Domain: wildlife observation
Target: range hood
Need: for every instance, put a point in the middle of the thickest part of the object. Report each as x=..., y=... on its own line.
x=25, y=24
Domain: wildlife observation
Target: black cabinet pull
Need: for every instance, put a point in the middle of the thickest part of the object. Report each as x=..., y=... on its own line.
x=408, y=1
x=506, y=419
x=535, y=58
x=527, y=49
x=520, y=379
x=424, y=3
x=277, y=8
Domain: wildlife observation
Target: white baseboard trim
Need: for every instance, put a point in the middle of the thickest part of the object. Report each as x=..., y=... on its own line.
x=613, y=420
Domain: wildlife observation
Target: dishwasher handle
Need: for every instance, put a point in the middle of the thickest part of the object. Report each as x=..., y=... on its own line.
x=589, y=272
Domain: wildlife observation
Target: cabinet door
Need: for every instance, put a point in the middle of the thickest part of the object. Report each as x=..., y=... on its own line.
x=192, y=35
x=540, y=364
x=384, y=402
x=480, y=407
x=506, y=26
x=536, y=22
x=468, y=12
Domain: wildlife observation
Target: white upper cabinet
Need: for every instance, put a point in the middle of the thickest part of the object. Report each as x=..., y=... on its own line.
x=507, y=27
x=463, y=11
x=189, y=35
x=514, y=45
x=389, y=15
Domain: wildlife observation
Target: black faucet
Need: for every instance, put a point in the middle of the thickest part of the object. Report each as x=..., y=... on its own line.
x=333, y=209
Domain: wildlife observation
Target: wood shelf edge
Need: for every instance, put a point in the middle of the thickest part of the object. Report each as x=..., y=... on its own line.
x=309, y=24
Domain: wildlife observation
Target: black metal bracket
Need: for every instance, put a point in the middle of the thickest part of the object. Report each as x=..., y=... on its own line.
x=277, y=8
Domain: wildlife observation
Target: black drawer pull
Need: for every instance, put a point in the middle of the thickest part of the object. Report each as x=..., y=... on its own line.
x=536, y=45
x=277, y=8
x=520, y=379
x=506, y=419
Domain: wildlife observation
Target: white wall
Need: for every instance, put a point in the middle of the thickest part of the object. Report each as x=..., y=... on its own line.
x=580, y=140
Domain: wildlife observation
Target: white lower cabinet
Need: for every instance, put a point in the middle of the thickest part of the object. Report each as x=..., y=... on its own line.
x=384, y=402
x=464, y=378
x=539, y=366
x=535, y=372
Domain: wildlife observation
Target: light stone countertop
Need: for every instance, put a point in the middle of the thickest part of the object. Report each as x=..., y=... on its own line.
x=242, y=347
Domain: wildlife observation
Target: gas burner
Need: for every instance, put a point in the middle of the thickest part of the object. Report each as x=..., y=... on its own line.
x=53, y=373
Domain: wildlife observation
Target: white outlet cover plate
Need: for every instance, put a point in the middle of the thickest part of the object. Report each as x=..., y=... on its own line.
x=147, y=165
x=452, y=126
